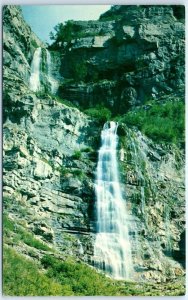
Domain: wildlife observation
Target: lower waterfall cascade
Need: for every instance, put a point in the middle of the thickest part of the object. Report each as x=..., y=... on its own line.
x=112, y=248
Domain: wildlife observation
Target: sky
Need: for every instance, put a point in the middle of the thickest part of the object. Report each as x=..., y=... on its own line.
x=43, y=18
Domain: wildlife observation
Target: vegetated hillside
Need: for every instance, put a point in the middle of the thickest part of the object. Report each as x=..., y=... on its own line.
x=113, y=68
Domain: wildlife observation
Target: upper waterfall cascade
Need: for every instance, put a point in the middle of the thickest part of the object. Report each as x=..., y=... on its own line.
x=34, y=80
x=37, y=75
x=112, y=249
x=52, y=81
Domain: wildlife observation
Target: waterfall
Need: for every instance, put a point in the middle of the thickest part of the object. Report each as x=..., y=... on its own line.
x=112, y=249
x=52, y=81
x=34, y=80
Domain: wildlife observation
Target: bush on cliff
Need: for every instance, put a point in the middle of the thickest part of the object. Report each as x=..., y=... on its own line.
x=102, y=114
x=79, y=71
x=161, y=122
x=62, y=33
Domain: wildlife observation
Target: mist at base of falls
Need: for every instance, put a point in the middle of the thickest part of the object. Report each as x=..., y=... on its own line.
x=112, y=248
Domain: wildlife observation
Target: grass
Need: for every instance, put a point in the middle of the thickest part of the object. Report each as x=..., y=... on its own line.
x=21, y=277
x=21, y=234
x=161, y=122
x=83, y=280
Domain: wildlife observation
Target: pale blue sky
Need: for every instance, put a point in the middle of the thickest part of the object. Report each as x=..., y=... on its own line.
x=43, y=18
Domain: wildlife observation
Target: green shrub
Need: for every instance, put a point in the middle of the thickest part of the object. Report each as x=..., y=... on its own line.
x=41, y=94
x=161, y=122
x=78, y=173
x=77, y=154
x=102, y=114
x=87, y=150
x=67, y=32
x=63, y=170
x=79, y=71
x=63, y=33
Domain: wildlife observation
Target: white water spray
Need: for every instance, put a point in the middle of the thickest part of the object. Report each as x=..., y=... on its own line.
x=52, y=81
x=34, y=80
x=112, y=249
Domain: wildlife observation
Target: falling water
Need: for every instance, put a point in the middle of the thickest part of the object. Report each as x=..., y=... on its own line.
x=52, y=81
x=112, y=249
x=35, y=71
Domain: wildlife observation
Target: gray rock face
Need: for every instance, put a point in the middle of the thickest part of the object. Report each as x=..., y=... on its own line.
x=141, y=49
x=19, y=45
x=50, y=155
x=153, y=182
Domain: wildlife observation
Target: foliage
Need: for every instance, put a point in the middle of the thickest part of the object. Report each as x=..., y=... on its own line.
x=161, y=122
x=79, y=71
x=78, y=173
x=62, y=32
x=101, y=113
x=41, y=94
x=21, y=277
x=67, y=32
x=111, y=17
x=8, y=225
x=77, y=154
x=34, y=43
x=63, y=170
x=87, y=150
x=86, y=281
x=81, y=279
x=21, y=234
x=64, y=101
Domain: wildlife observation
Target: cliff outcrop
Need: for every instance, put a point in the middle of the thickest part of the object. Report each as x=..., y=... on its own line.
x=50, y=148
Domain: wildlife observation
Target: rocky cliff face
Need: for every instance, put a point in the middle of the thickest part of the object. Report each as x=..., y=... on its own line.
x=131, y=55
x=50, y=149
x=46, y=154
x=153, y=181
